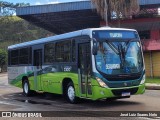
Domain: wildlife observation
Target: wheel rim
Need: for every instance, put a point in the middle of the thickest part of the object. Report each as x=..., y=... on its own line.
x=71, y=93
x=26, y=87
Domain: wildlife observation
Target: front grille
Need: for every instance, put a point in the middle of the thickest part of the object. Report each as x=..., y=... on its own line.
x=120, y=91
x=124, y=77
x=118, y=78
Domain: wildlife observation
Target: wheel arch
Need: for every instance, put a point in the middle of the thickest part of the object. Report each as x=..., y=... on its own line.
x=65, y=82
x=24, y=78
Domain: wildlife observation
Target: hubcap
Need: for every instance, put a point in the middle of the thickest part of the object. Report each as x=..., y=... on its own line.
x=71, y=93
x=26, y=87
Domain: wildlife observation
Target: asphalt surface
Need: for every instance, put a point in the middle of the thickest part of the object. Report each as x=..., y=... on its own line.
x=12, y=99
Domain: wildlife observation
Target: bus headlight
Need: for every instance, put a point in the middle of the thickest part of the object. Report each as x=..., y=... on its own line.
x=143, y=79
x=101, y=83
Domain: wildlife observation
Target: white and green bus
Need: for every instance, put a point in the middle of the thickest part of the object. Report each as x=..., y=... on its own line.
x=95, y=63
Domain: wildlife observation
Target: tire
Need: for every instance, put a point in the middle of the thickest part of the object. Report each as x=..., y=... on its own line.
x=70, y=93
x=26, y=89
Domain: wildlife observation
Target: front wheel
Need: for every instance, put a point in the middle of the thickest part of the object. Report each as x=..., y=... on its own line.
x=26, y=88
x=70, y=93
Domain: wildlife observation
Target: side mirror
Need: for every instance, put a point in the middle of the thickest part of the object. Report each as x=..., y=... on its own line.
x=95, y=47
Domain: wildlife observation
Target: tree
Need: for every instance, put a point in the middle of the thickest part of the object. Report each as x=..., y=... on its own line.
x=3, y=58
x=15, y=30
x=8, y=9
x=116, y=8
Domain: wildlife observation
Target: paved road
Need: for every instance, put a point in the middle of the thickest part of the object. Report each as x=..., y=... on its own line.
x=11, y=99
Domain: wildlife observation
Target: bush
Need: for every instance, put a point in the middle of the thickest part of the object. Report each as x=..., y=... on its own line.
x=3, y=59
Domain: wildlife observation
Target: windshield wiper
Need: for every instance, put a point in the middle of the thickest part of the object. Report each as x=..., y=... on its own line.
x=122, y=53
x=113, y=47
x=128, y=43
x=121, y=50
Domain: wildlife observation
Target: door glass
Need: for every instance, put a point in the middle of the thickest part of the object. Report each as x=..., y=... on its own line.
x=38, y=58
x=38, y=67
x=82, y=68
x=85, y=68
x=88, y=65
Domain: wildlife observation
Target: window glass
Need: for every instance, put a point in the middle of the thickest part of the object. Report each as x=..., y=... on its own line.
x=49, y=53
x=127, y=61
x=30, y=55
x=63, y=51
x=14, y=57
x=14, y=53
x=23, y=56
x=20, y=56
x=73, y=51
x=9, y=57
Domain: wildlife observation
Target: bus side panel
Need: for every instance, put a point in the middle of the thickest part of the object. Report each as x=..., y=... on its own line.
x=15, y=74
x=52, y=77
x=54, y=81
x=31, y=81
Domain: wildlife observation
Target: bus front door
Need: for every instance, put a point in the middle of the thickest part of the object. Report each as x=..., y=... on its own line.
x=38, y=68
x=84, y=69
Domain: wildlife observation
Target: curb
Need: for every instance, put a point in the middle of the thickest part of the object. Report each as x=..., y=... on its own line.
x=152, y=86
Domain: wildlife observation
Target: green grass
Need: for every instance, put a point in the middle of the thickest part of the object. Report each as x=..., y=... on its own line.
x=153, y=80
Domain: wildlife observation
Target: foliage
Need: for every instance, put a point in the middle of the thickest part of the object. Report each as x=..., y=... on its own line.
x=153, y=80
x=7, y=8
x=15, y=30
x=117, y=8
x=3, y=58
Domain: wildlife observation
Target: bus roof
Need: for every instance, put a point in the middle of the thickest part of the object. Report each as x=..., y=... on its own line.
x=63, y=36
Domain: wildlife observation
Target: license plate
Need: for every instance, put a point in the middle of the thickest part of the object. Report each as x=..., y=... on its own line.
x=126, y=93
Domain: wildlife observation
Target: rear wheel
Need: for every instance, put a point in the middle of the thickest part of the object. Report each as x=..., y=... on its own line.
x=26, y=89
x=70, y=93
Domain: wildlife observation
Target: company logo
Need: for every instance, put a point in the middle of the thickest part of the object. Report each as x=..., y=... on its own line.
x=21, y=114
x=6, y=114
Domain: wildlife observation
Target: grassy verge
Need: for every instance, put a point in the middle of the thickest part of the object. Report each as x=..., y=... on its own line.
x=153, y=80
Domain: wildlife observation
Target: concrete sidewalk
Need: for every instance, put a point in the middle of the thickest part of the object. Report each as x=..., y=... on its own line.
x=152, y=86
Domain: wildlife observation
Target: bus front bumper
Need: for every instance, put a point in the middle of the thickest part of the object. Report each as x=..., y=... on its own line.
x=101, y=93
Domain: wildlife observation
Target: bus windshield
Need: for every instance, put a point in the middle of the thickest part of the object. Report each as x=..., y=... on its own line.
x=119, y=57
x=110, y=62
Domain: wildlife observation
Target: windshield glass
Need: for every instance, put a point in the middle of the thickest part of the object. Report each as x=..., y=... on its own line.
x=119, y=57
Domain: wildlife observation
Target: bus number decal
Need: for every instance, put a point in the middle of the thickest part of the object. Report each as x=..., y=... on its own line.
x=112, y=66
x=67, y=68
